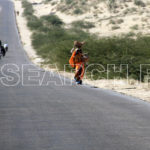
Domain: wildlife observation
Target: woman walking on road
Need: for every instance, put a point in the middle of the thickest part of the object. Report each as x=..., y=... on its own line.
x=77, y=61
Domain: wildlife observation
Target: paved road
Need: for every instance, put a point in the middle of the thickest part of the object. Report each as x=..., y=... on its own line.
x=63, y=117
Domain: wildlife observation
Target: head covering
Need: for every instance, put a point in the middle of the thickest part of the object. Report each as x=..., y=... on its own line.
x=78, y=44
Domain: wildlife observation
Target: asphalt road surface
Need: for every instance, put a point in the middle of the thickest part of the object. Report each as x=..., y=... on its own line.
x=51, y=117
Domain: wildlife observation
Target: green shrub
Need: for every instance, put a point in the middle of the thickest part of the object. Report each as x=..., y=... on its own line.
x=83, y=24
x=53, y=3
x=112, y=22
x=34, y=23
x=115, y=27
x=126, y=11
x=52, y=20
x=139, y=3
x=133, y=9
x=130, y=34
x=112, y=4
x=135, y=27
x=47, y=1
x=69, y=1
x=83, y=2
x=28, y=9
x=78, y=11
x=119, y=21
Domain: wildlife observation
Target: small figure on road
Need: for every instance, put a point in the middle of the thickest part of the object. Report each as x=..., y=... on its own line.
x=17, y=13
x=77, y=61
x=2, y=49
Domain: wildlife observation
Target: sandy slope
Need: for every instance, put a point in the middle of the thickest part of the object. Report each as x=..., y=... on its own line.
x=131, y=87
x=101, y=17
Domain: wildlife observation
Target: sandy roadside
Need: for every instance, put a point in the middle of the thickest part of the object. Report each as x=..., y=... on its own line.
x=132, y=88
x=25, y=34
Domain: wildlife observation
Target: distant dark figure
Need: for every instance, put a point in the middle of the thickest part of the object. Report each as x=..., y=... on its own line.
x=17, y=13
x=2, y=49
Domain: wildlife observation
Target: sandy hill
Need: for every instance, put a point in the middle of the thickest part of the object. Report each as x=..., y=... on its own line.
x=104, y=17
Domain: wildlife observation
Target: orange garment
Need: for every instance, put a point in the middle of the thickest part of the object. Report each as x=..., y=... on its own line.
x=80, y=69
x=71, y=61
x=76, y=62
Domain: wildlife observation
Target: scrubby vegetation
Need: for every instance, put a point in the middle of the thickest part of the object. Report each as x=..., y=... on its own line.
x=112, y=4
x=83, y=24
x=135, y=27
x=53, y=42
x=115, y=27
x=78, y=11
x=77, y=6
x=139, y=3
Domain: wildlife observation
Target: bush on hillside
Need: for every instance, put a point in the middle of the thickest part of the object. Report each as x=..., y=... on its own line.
x=139, y=3
x=83, y=24
x=52, y=20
